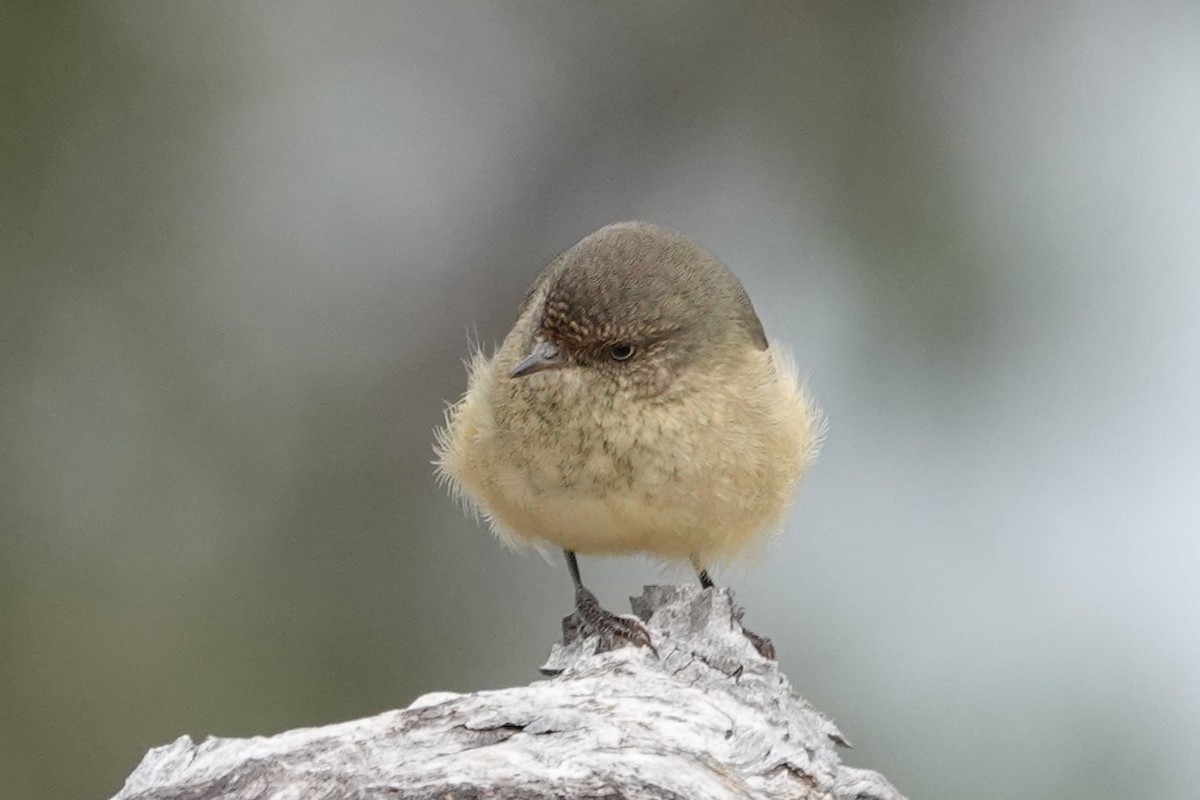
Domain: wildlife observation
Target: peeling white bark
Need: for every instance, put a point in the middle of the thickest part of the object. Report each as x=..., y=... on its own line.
x=707, y=719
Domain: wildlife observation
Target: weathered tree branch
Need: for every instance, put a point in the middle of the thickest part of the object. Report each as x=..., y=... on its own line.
x=707, y=718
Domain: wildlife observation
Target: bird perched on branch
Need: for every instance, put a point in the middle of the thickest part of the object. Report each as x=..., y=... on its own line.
x=636, y=406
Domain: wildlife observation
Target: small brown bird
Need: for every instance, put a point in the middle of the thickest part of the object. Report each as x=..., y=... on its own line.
x=636, y=406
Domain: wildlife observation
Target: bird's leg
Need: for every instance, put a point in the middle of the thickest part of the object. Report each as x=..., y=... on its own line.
x=762, y=644
x=607, y=625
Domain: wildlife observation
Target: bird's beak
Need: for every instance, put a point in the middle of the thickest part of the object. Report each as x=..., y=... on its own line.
x=544, y=355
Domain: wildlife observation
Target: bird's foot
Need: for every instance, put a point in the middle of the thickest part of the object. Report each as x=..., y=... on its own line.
x=613, y=630
x=764, y=646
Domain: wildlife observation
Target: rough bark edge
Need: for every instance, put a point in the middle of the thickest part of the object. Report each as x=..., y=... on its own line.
x=708, y=717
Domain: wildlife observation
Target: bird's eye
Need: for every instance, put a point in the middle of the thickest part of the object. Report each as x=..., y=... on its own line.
x=621, y=352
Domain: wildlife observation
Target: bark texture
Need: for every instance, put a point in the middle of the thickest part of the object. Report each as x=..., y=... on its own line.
x=705, y=718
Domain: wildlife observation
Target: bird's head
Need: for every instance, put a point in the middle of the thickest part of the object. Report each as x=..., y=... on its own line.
x=633, y=306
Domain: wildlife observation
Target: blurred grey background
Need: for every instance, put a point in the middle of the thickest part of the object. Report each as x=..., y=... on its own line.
x=244, y=246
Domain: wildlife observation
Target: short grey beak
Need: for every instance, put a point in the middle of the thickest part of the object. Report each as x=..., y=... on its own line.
x=545, y=355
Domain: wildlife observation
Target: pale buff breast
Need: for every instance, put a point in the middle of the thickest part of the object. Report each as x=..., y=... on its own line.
x=697, y=475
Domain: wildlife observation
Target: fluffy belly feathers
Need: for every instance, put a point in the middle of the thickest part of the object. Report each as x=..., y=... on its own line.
x=589, y=479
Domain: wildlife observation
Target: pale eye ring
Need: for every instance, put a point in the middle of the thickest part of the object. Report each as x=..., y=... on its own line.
x=621, y=352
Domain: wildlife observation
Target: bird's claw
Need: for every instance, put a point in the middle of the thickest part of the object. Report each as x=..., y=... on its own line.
x=611, y=628
x=764, y=646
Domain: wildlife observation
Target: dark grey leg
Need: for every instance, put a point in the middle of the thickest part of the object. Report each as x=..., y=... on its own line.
x=610, y=627
x=762, y=644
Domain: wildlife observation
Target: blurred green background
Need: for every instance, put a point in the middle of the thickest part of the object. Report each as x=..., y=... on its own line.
x=243, y=246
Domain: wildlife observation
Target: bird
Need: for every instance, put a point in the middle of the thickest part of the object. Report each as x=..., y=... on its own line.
x=636, y=406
